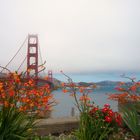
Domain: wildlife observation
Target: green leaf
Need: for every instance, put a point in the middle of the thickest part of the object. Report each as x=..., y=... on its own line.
x=131, y=119
x=14, y=125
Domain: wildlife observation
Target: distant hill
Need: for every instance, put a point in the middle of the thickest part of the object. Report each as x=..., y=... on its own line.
x=102, y=83
x=108, y=83
x=85, y=84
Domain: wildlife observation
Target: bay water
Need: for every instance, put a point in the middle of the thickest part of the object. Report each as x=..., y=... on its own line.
x=99, y=96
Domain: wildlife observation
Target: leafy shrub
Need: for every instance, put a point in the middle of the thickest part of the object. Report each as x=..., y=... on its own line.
x=15, y=125
x=20, y=102
x=95, y=123
x=132, y=120
x=127, y=91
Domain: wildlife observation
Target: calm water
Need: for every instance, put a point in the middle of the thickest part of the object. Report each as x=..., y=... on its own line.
x=66, y=102
x=99, y=96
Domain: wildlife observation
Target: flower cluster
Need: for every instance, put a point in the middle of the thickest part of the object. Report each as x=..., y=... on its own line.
x=106, y=114
x=73, y=88
x=126, y=92
x=94, y=122
x=24, y=95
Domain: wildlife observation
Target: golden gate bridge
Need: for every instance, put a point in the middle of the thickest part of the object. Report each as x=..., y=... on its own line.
x=33, y=69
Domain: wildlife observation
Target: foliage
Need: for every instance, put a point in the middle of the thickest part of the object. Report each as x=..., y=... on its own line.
x=95, y=123
x=132, y=120
x=127, y=91
x=24, y=95
x=15, y=125
x=73, y=88
x=128, y=98
x=20, y=101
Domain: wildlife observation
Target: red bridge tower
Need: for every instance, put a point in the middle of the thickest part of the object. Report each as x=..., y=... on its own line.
x=50, y=77
x=32, y=56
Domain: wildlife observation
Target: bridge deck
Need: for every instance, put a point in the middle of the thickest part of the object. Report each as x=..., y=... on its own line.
x=40, y=81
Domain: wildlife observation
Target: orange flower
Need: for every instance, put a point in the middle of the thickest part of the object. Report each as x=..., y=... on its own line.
x=31, y=105
x=119, y=97
x=21, y=109
x=65, y=91
x=3, y=95
x=11, y=93
x=47, y=86
x=27, y=96
x=133, y=88
x=30, y=82
x=84, y=98
x=45, y=99
x=81, y=90
x=119, y=89
x=1, y=86
x=17, y=80
x=46, y=78
x=6, y=103
x=135, y=97
x=138, y=83
x=72, y=85
x=62, y=84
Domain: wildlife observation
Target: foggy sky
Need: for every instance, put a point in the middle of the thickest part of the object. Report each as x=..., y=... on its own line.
x=74, y=35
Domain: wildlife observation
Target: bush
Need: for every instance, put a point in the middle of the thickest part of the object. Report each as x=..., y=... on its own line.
x=95, y=123
x=15, y=125
x=132, y=120
x=20, y=103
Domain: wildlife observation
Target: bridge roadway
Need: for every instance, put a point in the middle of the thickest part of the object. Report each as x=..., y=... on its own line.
x=40, y=81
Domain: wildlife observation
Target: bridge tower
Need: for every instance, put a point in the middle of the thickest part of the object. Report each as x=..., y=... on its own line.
x=50, y=77
x=32, y=56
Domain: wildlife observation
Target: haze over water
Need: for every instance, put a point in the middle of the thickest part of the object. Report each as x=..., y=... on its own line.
x=97, y=77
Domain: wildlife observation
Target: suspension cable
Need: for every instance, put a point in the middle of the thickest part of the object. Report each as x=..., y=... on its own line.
x=40, y=54
x=22, y=63
x=15, y=54
x=41, y=59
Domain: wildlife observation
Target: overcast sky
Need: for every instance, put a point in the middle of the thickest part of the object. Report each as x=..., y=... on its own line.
x=74, y=35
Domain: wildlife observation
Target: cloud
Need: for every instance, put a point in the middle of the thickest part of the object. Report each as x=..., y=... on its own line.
x=76, y=35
